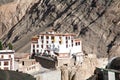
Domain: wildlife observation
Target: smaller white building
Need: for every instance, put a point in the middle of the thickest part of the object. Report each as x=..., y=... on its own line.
x=7, y=59
x=28, y=66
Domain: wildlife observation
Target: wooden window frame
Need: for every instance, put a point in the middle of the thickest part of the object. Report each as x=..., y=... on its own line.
x=6, y=63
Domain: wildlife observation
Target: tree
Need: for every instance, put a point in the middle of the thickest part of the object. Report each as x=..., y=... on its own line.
x=1, y=46
x=10, y=46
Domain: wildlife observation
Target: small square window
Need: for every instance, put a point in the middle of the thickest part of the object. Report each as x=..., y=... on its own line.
x=66, y=38
x=47, y=37
x=72, y=41
x=52, y=41
x=22, y=62
x=60, y=42
x=41, y=46
x=37, y=51
x=66, y=41
x=2, y=56
x=6, y=63
x=9, y=56
x=52, y=37
x=47, y=42
x=76, y=43
x=41, y=37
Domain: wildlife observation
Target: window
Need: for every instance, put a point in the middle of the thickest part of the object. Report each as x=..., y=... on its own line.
x=47, y=37
x=47, y=42
x=41, y=37
x=9, y=56
x=52, y=37
x=66, y=38
x=65, y=64
x=78, y=43
x=37, y=51
x=33, y=50
x=0, y=63
x=42, y=41
x=59, y=42
x=66, y=41
x=72, y=41
x=52, y=41
x=22, y=62
x=37, y=46
x=2, y=56
x=41, y=46
x=6, y=63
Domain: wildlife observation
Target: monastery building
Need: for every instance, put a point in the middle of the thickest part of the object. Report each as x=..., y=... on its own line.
x=56, y=44
x=7, y=59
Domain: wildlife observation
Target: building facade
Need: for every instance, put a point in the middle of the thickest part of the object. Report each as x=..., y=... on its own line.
x=28, y=66
x=7, y=59
x=52, y=43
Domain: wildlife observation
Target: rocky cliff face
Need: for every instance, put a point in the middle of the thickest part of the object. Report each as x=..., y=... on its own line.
x=96, y=22
x=83, y=71
x=11, y=13
x=2, y=2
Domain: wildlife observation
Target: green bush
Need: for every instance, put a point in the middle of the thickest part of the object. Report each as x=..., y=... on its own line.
x=1, y=46
x=10, y=46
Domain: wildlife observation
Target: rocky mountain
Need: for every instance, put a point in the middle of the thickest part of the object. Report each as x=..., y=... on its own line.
x=96, y=22
x=11, y=13
x=5, y=1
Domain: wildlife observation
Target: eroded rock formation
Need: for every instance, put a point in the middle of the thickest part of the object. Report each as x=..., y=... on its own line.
x=83, y=71
x=11, y=13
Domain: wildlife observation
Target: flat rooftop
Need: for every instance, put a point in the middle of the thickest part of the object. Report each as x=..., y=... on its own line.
x=5, y=51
